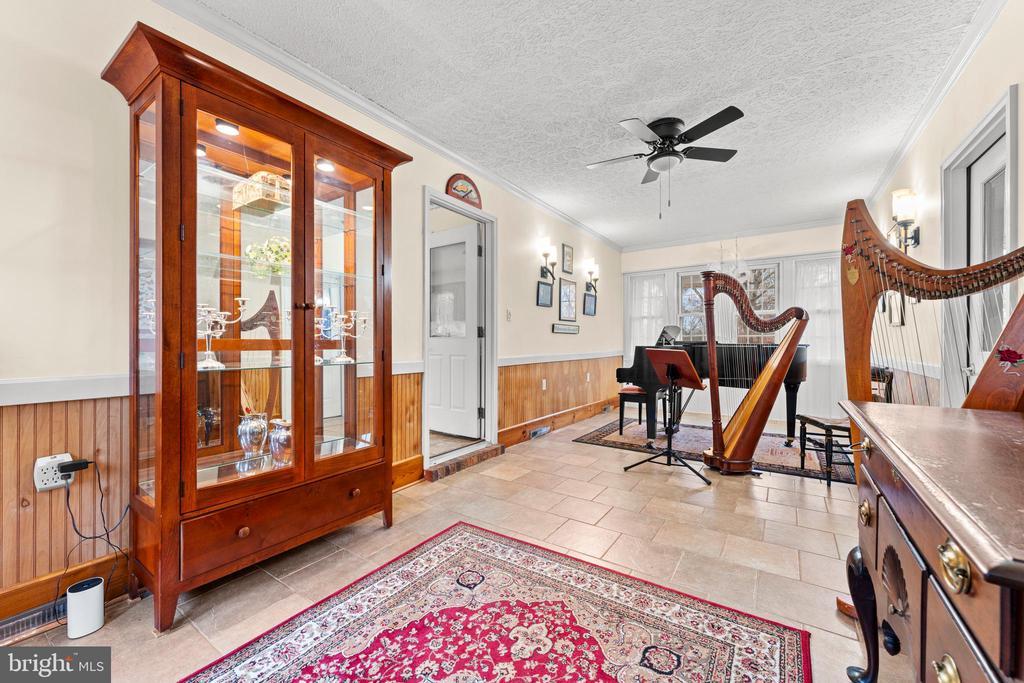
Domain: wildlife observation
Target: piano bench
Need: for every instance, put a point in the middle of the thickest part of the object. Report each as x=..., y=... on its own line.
x=836, y=441
x=635, y=395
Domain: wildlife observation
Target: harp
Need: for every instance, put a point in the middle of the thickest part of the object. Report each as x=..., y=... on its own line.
x=965, y=310
x=732, y=448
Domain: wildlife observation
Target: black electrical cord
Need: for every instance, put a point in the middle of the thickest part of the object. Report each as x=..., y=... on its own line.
x=105, y=536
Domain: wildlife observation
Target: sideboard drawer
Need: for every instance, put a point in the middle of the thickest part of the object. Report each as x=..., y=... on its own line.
x=231, y=534
x=901, y=591
x=976, y=600
x=867, y=518
x=948, y=649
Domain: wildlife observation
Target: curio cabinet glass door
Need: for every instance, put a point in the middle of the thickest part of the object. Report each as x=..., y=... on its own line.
x=241, y=269
x=342, y=253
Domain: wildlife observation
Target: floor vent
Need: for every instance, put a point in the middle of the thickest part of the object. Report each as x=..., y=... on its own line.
x=539, y=431
x=12, y=628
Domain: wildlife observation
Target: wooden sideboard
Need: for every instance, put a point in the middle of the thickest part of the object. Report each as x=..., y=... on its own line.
x=938, y=575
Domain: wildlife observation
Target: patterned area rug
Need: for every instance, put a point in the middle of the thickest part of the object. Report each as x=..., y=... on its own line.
x=772, y=454
x=470, y=605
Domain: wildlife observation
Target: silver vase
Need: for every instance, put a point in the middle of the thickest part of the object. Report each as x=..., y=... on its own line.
x=281, y=443
x=252, y=437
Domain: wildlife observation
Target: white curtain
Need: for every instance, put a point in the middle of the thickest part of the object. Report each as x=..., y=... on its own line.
x=816, y=288
x=647, y=309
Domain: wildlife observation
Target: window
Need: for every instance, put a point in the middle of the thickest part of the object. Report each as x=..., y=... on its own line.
x=691, y=307
x=762, y=287
x=647, y=308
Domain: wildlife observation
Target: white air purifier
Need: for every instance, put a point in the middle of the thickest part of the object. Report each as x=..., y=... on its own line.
x=85, y=607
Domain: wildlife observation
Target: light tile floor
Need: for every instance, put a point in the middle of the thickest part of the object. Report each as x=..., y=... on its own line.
x=773, y=546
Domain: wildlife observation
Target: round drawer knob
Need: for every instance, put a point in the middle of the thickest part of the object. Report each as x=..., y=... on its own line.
x=945, y=670
x=956, y=570
x=864, y=513
x=354, y=493
x=243, y=532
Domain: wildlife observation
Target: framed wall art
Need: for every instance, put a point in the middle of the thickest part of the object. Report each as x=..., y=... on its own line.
x=566, y=258
x=544, y=293
x=462, y=187
x=589, y=303
x=566, y=299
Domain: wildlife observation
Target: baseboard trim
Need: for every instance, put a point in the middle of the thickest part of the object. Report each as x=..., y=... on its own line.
x=35, y=592
x=521, y=432
x=406, y=472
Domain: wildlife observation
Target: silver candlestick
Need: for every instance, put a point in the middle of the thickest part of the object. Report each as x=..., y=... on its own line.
x=212, y=323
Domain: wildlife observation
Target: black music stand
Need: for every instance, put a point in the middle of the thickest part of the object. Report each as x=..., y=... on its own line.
x=675, y=369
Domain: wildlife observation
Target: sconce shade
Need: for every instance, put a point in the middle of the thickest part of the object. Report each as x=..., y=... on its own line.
x=904, y=206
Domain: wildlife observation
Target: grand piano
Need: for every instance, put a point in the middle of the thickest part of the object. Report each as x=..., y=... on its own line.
x=738, y=366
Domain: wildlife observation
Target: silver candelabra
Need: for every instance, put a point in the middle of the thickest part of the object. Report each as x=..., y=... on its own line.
x=212, y=323
x=340, y=325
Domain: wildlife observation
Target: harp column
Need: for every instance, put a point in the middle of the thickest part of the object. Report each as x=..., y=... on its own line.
x=717, y=444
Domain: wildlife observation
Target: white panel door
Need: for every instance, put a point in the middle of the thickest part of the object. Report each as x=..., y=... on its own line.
x=453, y=347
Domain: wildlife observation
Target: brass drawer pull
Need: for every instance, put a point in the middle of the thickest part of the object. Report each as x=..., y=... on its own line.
x=945, y=670
x=354, y=493
x=956, y=570
x=243, y=532
x=864, y=513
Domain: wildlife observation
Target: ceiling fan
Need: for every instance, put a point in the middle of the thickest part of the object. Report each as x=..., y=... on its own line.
x=665, y=137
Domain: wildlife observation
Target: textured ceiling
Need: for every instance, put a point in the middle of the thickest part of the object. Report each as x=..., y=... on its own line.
x=532, y=91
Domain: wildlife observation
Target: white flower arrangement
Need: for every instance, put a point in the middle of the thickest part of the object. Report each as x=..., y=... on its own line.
x=270, y=257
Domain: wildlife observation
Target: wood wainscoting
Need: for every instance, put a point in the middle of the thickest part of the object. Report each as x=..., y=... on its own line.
x=569, y=397
x=37, y=533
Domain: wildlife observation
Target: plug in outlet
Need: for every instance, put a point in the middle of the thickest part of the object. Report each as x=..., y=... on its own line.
x=588, y=376
x=543, y=385
x=45, y=474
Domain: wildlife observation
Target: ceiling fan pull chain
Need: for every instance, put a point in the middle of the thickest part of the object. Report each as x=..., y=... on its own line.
x=669, y=189
x=660, y=183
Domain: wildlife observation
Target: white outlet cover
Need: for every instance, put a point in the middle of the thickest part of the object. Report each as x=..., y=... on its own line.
x=45, y=474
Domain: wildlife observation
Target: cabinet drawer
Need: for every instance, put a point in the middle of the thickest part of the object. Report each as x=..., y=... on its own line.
x=867, y=518
x=979, y=602
x=225, y=536
x=948, y=648
x=900, y=584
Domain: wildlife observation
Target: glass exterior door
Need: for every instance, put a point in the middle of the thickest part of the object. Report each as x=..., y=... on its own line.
x=343, y=252
x=246, y=225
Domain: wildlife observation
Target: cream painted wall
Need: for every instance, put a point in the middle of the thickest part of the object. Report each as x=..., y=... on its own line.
x=786, y=243
x=995, y=65
x=64, y=265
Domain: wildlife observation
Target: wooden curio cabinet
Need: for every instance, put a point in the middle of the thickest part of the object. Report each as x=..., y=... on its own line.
x=261, y=331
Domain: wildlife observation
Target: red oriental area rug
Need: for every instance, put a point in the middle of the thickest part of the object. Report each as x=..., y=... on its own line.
x=470, y=605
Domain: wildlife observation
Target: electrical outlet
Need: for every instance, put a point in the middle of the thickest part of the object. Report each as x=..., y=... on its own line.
x=45, y=474
x=588, y=376
x=508, y=315
x=543, y=385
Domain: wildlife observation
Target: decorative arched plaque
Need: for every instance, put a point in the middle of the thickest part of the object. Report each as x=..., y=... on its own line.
x=462, y=187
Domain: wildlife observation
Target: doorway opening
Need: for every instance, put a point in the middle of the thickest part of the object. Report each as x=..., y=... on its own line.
x=459, y=370
x=979, y=223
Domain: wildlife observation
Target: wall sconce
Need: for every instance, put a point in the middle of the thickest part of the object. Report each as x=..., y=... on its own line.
x=548, y=262
x=904, y=217
x=590, y=268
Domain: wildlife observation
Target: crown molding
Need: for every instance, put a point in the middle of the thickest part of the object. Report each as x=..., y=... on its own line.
x=222, y=27
x=746, y=232
x=979, y=27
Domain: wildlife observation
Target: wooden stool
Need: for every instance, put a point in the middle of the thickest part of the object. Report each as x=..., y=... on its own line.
x=832, y=431
x=631, y=394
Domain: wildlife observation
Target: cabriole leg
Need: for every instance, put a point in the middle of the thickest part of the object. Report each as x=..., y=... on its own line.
x=863, y=594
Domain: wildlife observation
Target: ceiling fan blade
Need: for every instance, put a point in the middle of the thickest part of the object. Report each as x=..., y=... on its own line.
x=615, y=160
x=709, y=153
x=649, y=177
x=711, y=124
x=640, y=129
